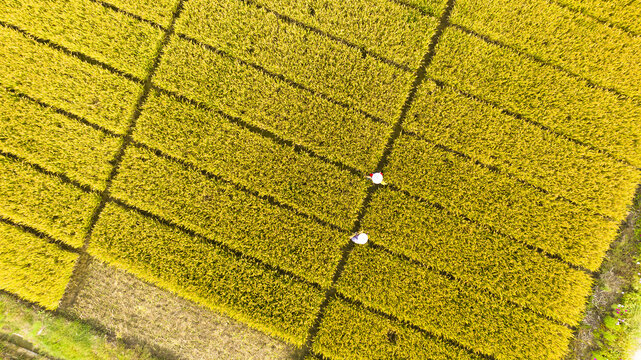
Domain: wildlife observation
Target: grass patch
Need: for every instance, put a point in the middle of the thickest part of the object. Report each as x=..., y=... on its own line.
x=273, y=303
x=32, y=268
x=54, y=141
x=61, y=338
x=560, y=36
x=542, y=158
x=44, y=202
x=540, y=93
x=88, y=27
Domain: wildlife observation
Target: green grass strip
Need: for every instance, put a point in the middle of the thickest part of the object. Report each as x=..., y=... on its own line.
x=561, y=36
x=449, y=308
x=87, y=27
x=396, y=32
x=54, y=141
x=311, y=59
x=623, y=13
x=221, y=212
x=33, y=269
x=213, y=143
x=347, y=330
x=515, y=146
x=66, y=82
x=261, y=100
x=540, y=93
x=44, y=202
x=497, y=200
x=476, y=255
x=159, y=11
x=274, y=303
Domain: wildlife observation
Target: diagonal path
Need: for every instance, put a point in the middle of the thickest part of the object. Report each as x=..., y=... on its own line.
x=396, y=132
x=77, y=276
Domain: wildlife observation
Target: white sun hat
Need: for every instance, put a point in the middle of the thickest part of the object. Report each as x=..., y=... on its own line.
x=360, y=239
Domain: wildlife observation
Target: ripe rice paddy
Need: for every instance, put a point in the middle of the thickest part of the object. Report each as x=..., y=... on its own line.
x=220, y=150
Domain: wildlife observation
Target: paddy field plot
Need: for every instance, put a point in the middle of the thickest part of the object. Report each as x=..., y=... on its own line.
x=219, y=150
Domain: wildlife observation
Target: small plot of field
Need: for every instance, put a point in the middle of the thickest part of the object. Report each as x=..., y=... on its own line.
x=219, y=150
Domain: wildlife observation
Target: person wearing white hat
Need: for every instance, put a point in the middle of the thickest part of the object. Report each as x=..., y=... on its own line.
x=360, y=238
x=377, y=178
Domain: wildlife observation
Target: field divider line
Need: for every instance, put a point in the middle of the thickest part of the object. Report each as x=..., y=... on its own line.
x=59, y=175
x=542, y=61
x=451, y=213
x=218, y=244
x=440, y=83
x=170, y=223
x=298, y=148
x=40, y=234
x=349, y=246
x=62, y=112
x=477, y=288
x=596, y=18
x=412, y=326
x=80, y=269
x=518, y=116
x=320, y=32
x=526, y=54
x=86, y=58
x=281, y=77
x=507, y=174
x=285, y=18
x=268, y=198
x=81, y=56
x=129, y=14
x=64, y=178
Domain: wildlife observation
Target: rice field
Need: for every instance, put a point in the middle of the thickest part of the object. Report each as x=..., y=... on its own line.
x=220, y=150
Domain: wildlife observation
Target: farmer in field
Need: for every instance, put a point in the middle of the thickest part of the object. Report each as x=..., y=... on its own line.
x=377, y=178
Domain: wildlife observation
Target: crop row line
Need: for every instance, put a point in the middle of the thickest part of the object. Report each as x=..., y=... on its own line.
x=268, y=198
x=76, y=282
x=596, y=18
x=396, y=132
x=281, y=77
x=387, y=61
x=362, y=49
x=412, y=326
x=83, y=57
x=518, y=116
x=528, y=246
x=40, y=234
x=224, y=247
x=300, y=149
x=540, y=60
x=496, y=170
x=558, y=3
x=477, y=288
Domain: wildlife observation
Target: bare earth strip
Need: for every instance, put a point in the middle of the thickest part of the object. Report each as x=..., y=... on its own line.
x=171, y=326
